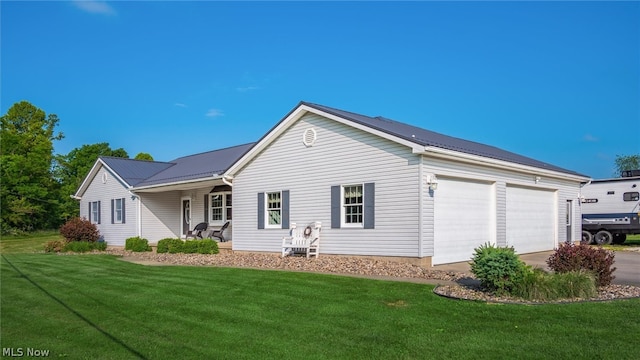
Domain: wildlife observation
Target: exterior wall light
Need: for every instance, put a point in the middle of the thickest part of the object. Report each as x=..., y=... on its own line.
x=432, y=181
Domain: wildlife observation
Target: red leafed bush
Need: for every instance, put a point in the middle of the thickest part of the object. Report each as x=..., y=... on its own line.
x=79, y=229
x=570, y=257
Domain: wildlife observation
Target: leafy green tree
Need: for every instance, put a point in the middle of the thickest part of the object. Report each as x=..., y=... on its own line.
x=627, y=162
x=71, y=169
x=144, y=156
x=29, y=194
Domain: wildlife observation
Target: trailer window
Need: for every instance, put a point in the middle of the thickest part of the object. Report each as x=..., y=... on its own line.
x=631, y=196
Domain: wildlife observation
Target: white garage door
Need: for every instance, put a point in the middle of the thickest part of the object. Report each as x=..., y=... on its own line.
x=464, y=218
x=531, y=219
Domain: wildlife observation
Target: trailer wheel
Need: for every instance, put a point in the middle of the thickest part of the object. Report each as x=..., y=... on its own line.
x=587, y=238
x=603, y=237
x=619, y=238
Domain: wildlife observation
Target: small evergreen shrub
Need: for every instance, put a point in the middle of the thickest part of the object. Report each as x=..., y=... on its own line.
x=190, y=246
x=499, y=269
x=576, y=257
x=54, y=246
x=207, y=246
x=163, y=245
x=175, y=246
x=137, y=244
x=78, y=246
x=79, y=229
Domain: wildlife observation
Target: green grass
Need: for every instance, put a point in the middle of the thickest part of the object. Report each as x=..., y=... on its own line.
x=632, y=241
x=97, y=306
x=32, y=242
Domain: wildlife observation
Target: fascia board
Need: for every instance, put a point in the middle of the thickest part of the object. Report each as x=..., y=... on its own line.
x=297, y=114
x=92, y=174
x=175, y=183
x=501, y=164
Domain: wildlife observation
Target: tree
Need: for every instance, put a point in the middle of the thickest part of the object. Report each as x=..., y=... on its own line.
x=71, y=169
x=627, y=162
x=28, y=193
x=144, y=156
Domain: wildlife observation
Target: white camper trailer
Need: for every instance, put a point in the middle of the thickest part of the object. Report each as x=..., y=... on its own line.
x=610, y=210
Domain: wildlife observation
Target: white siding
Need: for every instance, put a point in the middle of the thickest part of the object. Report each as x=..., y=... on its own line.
x=565, y=190
x=160, y=214
x=111, y=188
x=341, y=155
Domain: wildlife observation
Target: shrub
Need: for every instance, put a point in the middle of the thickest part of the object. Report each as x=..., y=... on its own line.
x=207, y=246
x=190, y=246
x=163, y=245
x=543, y=286
x=79, y=229
x=78, y=246
x=137, y=244
x=575, y=257
x=175, y=246
x=101, y=245
x=499, y=269
x=54, y=246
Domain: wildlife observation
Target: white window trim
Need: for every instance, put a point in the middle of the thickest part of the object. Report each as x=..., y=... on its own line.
x=266, y=210
x=224, y=207
x=95, y=212
x=115, y=210
x=343, y=223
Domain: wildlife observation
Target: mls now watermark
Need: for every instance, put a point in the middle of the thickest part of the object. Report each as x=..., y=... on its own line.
x=20, y=352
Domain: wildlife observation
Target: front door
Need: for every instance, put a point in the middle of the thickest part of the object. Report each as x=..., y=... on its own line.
x=186, y=216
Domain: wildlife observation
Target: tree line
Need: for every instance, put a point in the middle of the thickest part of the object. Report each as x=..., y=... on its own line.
x=36, y=185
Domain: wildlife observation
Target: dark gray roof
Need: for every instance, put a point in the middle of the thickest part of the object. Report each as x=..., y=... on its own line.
x=429, y=138
x=198, y=166
x=134, y=171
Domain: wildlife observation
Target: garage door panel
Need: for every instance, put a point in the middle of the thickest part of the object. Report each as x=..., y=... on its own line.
x=464, y=218
x=531, y=219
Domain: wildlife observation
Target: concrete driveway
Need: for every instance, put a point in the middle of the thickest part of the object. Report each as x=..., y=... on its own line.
x=627, y=265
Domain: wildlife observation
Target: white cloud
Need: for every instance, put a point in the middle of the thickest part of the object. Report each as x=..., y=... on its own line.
x=180, y=105
x=94, y=7
x=214, y=113
x=590, y=138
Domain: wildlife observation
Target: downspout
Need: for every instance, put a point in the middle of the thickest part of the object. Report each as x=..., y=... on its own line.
x=421, y=208
x=226, y=181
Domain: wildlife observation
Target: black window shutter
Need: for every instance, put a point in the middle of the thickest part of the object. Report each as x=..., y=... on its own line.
x=206, y=208
x=260, y=210
x=98, y=212
x=285, y=209
x=335, y=207
x=89, y=211
x=113, y=203
x=369, y=205
x=123, y=213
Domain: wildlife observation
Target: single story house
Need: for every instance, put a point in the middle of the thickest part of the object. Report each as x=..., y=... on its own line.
x=379, y=187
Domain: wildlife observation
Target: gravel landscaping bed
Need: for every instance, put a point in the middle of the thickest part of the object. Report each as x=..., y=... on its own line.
x=450, y=284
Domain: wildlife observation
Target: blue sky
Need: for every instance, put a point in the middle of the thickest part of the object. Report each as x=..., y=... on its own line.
x=555, y=81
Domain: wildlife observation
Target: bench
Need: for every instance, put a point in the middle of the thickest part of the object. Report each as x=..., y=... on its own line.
x=302, y=239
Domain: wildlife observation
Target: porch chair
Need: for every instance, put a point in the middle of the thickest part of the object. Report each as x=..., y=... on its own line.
x=197, y=231
x=302, y=240
x=219, y=233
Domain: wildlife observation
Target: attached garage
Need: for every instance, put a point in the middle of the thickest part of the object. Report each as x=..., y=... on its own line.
x=531, y=219
x=464, y=218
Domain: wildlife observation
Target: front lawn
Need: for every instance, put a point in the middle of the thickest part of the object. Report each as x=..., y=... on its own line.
x=96, y=306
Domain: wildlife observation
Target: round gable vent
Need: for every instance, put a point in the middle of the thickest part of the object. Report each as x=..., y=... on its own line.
x=309, y=137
